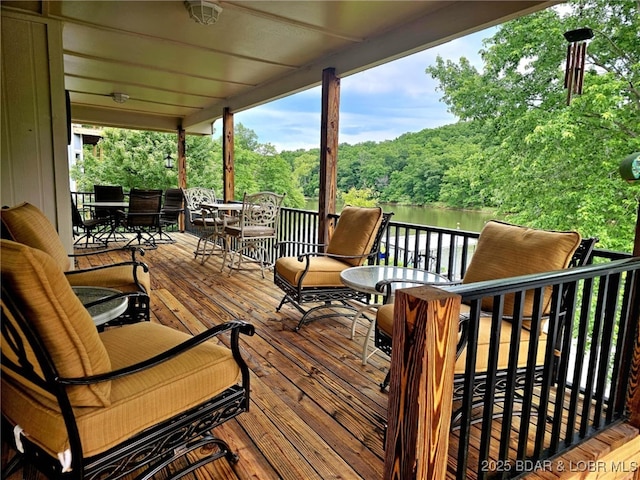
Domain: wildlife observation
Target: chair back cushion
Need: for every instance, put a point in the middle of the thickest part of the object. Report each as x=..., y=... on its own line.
x=26, y=224
x=506, y=250
x=40, y=289
x=355, y=233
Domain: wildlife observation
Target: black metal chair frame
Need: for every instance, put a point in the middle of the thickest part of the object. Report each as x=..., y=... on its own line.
x=109, y=193
x=582, y=256
x=154, y=448
x=143, y=216
x=298, y=295
x=83, y=229
x=170, y=212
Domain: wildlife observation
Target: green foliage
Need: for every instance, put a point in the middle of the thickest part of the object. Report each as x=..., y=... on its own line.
x=359, y=198
x=136, y=159
x=548, y=164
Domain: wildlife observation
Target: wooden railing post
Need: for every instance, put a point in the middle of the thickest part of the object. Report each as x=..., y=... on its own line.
x=421, y=389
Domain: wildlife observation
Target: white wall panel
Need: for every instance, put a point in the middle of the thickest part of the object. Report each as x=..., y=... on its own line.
x=34, y=153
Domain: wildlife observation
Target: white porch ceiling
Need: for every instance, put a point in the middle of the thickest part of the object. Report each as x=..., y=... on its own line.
x=180, y=73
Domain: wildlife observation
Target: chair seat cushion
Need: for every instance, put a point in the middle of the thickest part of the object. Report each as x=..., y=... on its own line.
x=138, y=401
x=323, y=271
x=119, y=277
x=250, y=231
x=207, y=222
x=384, y=319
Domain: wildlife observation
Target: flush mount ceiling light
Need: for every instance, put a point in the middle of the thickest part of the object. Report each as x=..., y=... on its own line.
x=119, y=97
x=202, y=11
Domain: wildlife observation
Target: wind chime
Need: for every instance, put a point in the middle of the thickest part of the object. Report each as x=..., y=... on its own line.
x=576, y=54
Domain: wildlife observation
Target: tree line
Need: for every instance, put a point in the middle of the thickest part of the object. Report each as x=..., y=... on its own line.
x=518, y=147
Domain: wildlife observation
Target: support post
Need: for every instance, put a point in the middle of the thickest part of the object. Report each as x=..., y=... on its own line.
x=423, y=358
x=328, y=152
x=228, y=155
x=633, y=395
x=182, y=169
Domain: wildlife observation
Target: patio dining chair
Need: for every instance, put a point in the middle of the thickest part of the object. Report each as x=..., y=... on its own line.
x=313, y=277
x=172, y=209
x=84, y=228
x=255, y=235
x=504, y=251
x=208, y=222
x=109, y=193
x=78, y=403
x=27, y=224
x=143, y=216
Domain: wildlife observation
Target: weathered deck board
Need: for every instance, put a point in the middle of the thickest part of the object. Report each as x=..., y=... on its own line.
x=316, y=412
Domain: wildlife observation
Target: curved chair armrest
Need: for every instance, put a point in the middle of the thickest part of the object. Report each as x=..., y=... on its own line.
x=282, y=244
x=236, y=327
x=135, y=264
x=134, y=271
x=331, y=255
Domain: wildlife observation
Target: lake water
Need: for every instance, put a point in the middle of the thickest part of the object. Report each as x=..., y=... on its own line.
x=439, y=217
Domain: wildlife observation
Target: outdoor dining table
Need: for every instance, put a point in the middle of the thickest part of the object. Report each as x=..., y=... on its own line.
x=371, y=279
x=113, y=208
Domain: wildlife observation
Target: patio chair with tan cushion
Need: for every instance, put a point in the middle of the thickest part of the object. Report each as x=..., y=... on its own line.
x=503, y=251
x=103, y=405
x=314, y=276
x=26, y=224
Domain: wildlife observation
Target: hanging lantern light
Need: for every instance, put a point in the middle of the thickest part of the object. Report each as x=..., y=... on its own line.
x=168, y=161
x=576, y=54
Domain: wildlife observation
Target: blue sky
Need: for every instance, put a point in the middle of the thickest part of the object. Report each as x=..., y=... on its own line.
x=379, y=104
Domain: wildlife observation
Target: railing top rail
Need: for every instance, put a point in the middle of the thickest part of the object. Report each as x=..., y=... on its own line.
x=526, y=282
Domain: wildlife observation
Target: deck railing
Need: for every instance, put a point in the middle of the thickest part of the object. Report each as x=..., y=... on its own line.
x=574, y=382
x=442, y=250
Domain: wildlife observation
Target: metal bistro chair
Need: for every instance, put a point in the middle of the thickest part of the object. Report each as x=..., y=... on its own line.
x=143, y=215
x=208, y=221
x=256, y=233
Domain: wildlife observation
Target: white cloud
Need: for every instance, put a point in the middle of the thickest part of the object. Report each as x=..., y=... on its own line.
x=379, y=104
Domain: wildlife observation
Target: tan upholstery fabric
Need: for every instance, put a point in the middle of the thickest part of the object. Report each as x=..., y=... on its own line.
x=138, y=401
x=323, y=271
x=355, y=233
x=66, y=328
x=384, y=319
x=28, y=225
x=509, y=250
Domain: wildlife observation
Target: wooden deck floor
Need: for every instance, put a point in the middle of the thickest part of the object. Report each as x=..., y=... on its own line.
x=316, y=411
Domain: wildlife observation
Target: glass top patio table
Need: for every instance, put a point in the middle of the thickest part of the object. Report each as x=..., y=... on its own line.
x=103, y=312
x=372, y=278
x=366, y=278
